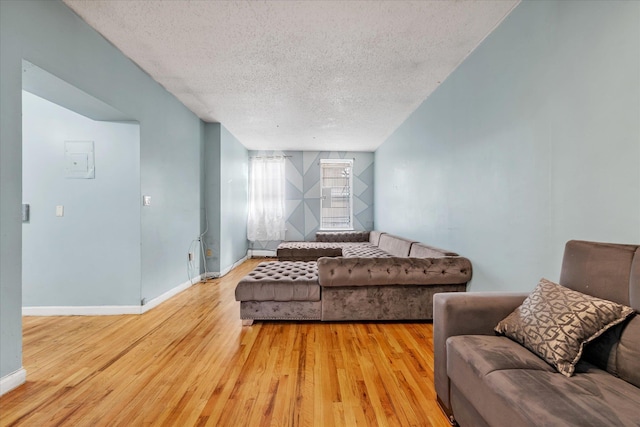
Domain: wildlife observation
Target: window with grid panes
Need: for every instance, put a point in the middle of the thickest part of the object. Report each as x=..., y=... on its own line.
x=336, y=204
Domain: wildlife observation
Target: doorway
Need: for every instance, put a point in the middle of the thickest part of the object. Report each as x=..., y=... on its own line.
x=81, y=180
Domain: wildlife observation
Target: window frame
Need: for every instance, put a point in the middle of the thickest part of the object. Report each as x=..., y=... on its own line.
x=349, y=164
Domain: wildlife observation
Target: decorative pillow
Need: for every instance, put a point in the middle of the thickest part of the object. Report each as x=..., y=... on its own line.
x=556, y=322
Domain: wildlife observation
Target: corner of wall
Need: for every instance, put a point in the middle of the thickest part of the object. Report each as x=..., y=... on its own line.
x=12, y=381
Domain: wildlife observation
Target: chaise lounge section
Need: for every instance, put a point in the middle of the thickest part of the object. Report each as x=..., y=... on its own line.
x=286, y=290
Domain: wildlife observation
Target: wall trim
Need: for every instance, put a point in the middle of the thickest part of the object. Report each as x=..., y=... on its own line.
x=234, y=265
x=112, y=310
x=108, y=310
x=12, y=380
x=170, y=293
x=217, y=274
x=90, y=310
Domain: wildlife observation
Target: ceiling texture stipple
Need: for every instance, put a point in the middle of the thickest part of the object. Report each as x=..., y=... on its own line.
x=298, y=75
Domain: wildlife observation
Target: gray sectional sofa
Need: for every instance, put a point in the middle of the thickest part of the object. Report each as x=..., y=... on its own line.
x=351, y=276
x=483, y=379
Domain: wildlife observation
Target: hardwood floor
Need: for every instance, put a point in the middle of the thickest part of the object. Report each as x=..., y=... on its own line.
x=189, y=362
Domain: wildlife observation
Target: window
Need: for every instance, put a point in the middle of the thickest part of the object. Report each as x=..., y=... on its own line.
x=336, y=181
x=266, y=219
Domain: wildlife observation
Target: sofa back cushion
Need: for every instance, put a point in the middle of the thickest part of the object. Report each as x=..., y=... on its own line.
x=394, y=245
x=634, y=282
x=420, y=250
x=609, y=271
x=374, y=237
x=628, y=354
x=342, y=236
x=602, y=270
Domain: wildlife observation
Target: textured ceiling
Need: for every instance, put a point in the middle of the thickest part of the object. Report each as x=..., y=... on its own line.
x=298, y=75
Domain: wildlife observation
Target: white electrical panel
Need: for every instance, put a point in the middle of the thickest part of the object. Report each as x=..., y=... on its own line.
x=79, y=159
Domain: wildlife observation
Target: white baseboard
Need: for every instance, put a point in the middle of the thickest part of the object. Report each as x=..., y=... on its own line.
x=112, y=310
x=216, y=274
x=235, y=264
x=255, y=253
x=170, y=293
x=13, y=380
x=108, y=310
x=91, y=310
x=197, y=279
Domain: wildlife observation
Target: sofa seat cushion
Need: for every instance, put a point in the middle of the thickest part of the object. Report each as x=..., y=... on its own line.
x=592, y=397
x=280, y=281
x=365, y=250
x=483, y=354
x=509, y=385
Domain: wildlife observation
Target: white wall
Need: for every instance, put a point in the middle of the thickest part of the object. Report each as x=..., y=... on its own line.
x=91, y=255
x=532, y=141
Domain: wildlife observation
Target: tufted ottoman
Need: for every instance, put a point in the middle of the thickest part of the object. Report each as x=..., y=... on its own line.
x=284, y=290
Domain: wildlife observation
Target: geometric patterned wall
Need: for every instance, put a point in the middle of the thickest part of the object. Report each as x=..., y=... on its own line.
x=302, y=193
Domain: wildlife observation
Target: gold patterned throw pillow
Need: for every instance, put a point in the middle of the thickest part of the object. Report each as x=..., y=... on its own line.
x=556, y=323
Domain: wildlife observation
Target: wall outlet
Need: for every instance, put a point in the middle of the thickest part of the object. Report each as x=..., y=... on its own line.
x=190, y=256
x=209, y=252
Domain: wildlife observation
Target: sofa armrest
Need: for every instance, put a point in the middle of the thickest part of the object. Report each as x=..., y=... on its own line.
x=342, y=271
x=456, y=313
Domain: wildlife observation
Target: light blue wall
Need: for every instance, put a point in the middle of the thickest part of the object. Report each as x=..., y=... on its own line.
x=302, y=192
x=91, y=255
x=226, y=186
x=51, y=36
x=532, y=141
x=234, y=178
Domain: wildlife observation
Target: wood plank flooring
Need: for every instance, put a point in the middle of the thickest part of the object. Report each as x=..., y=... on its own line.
x=189, y=362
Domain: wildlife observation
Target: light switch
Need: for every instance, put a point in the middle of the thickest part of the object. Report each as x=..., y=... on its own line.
x=146, y=200
x=59, y=210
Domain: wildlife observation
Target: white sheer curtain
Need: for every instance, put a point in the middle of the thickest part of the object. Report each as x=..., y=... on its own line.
x=266, y=199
